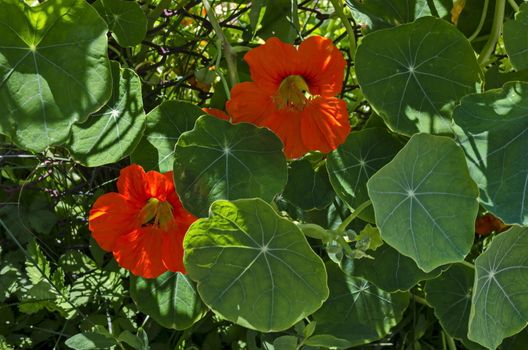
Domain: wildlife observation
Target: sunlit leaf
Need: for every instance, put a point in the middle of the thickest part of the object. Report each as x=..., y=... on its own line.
x=253, y=267
x=112, y=132
x=493, y=131
x=499, y=306
x=425, y=202
x=516, y=38
x=414, y=74
x=54, y=69
x=219, y=160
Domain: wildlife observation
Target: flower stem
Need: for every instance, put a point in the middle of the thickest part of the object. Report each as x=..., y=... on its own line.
x=229, y=54
x=450, y=342
x=341, y=229
x=481, y=22
x=338, y=7
x=496, y=28
x=514, y=5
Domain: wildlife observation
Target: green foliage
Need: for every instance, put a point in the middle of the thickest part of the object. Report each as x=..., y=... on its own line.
x=369, y=246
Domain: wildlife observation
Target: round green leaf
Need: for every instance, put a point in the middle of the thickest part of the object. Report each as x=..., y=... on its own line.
x=219, y=160
x=493, y=131
x=90, y=341
x=54, y=69
x=253, y=267
x=391, y=271
x=355, y=161
x=165, y=124
x=499, y=307
x=126, y=20
x=308, y=188
x=171, y=299
x=425, y=202
x=112, y=132
x=450, y=296
x=414, y=74
x=356, y=312
x=516, y=38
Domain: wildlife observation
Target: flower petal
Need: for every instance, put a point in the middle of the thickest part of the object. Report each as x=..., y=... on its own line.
x=324, y=124
x=216, y=113
x=287, y=125
x=272, y=62
x=249, y=103
x=140, y=251
x=159, y=185
x=111, y=216
x=172, y=251
x=322, y=66
x=131, y=183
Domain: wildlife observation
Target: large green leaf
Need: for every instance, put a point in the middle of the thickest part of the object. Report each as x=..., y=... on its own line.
x=112, y=133
x=425, y=202
x=414, y=74
x=391, y=271
x=450, y=296
x=253, y=267
x=170, y=299
x=356, y=312
x=219, y=160
x=308, y=188
x=126, y=20
x=493, y=131
x=355, y=161
x=378, y=14
x=516, y=38
x=165, y=124
x=54, y=69
x=500, y=294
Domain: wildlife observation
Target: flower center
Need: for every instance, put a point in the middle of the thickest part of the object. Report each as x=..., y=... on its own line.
x=293, y=93
x=157, y=213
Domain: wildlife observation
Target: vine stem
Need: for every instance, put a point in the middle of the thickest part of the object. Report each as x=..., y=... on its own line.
x=229, y=54
x=338, y=7
x=481, y=22
x=496, y=28
x=514, y=5
x=450, y=342
x=341, y=229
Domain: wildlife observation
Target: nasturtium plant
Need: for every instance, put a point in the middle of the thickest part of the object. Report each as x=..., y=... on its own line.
x=415, y=74
x=54, y=69
x=112, y=133
x=253, y=267
x=219, y=160
x=425, y=203
x=268, y=174
x=492, y=130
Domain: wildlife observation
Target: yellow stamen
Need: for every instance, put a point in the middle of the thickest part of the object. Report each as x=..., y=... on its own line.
x=293, y=93
x=157, y=213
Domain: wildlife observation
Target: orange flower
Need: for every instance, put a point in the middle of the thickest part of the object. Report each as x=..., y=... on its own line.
x=487, y=223
x=215, y=112
x=293, y=94
x=144, y=224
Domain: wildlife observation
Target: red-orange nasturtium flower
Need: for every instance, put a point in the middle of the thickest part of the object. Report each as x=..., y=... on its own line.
x=144, y=224
x=293, y=94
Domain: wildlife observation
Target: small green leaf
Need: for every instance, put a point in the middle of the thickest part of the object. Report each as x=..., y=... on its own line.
x=516, y=38
x=414, y=74
x=112, y=133
x=499, y=306
x=493, y=131
x=285, y=342
x=54, y=69
x=425, y=202
x=253, y=267
x=280, y=20
x=126, y=20
x=308, y=188
x=356, y=312
x=354, y=162
x=171, y=299
x=165, y=124
x=391, y=271
x=219, y=160
x=450, y=296
x=89, y=341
